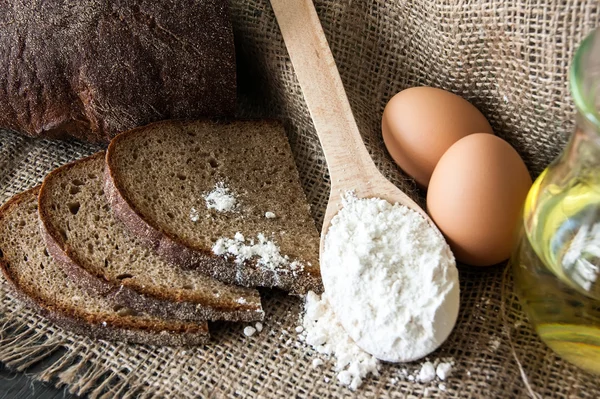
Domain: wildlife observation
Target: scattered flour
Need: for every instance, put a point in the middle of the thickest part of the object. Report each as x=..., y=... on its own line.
x=317, y=362
x=328, y=337
x=265, y=250
x=249, y=331
x=443, y=370
x=194, y=215
x=427, y=372
x=494, y=344
x=220, y=199
x=390, y=278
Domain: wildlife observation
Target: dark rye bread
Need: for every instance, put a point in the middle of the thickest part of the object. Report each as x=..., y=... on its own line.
x=40, y=283
x=101, y=256
x=156, y=174
x=93, y=68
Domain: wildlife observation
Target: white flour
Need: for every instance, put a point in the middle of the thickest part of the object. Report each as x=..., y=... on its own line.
x=220, y=199
x=390, y=278
x=194, y=215
x=327, y=336
x=266, y=251
x=427, y=372
x=443, y=370
x=249, y=331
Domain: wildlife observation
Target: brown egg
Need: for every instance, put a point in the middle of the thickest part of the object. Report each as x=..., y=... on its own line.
x=419, y=124
x=475, y=197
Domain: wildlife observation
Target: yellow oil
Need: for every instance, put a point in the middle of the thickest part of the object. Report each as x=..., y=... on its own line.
x=556, y=263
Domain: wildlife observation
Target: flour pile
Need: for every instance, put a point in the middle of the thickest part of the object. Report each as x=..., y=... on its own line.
x=391, y=290
x=265, y=251
x=390, y=278
x=220, y=199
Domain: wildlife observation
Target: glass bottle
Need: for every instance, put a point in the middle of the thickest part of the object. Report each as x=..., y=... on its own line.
x=556, y=263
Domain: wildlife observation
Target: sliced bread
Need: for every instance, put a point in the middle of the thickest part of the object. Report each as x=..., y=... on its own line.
x=101, y=256
x=223, y=198
x=39, y=282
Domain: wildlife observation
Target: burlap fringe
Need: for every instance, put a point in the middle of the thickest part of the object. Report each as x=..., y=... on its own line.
x=22, y=347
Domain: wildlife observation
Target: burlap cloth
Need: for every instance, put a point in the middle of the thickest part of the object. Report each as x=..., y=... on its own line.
x=509, y=58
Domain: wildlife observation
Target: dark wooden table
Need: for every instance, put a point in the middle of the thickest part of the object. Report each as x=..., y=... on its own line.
x=19, y=386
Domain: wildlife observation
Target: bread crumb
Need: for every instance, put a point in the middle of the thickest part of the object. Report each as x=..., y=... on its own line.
x=258, y=326
x=299, y=329
x=317, y=362
x=270, y=215
x=442, y=387
x=249, y=331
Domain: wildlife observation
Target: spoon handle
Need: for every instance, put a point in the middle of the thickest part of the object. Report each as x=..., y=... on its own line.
x=347, y=158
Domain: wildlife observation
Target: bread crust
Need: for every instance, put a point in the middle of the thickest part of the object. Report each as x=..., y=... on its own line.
x=180, y=253
x=90, y=69
x=115, y=292
x=109, y=328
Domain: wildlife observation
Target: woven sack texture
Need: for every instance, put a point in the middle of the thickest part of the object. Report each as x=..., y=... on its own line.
x=509, y=58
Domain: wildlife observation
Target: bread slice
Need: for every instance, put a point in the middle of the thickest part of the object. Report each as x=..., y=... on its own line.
x=101, y=256
x=158, y=177
x=39, y=282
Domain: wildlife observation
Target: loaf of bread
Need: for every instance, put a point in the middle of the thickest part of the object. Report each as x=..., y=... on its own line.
x=92, y=68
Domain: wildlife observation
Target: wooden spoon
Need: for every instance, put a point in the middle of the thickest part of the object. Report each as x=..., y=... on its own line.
x=350, y=165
